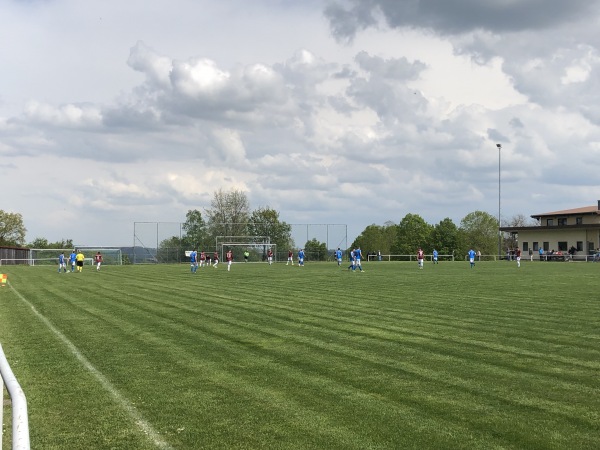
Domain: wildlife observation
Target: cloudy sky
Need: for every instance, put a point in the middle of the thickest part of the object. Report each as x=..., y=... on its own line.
x=342, y=111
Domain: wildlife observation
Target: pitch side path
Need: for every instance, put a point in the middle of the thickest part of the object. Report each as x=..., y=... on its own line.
x=314, y=357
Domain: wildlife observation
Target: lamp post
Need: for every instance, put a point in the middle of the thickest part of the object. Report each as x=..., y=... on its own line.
x=499, y=209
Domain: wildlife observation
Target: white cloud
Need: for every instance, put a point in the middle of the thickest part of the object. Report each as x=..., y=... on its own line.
x=230, y=146
x=199, y=77
x=581, y=68
x=69, y=115
x=157, y=68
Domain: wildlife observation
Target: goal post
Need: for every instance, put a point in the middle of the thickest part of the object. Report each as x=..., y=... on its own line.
x=256, y=246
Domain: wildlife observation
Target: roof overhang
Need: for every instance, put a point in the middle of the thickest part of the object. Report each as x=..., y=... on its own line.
x=589, y=226
x=585, y=211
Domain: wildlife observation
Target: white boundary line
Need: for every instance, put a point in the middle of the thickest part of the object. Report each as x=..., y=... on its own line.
x=137, y=417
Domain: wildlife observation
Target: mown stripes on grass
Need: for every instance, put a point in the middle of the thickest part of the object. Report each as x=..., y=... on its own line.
x=321, y=357
x=143, y=425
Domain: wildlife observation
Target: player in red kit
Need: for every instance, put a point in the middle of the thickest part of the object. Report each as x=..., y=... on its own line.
x=229, y=259
x=98, y=260
x=420, y=257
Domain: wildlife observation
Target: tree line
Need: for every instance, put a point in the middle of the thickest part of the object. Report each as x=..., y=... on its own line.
x=477, y=230
x=230, y=218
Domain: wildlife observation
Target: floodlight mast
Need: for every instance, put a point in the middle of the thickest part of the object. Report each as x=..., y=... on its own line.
x=499, y=204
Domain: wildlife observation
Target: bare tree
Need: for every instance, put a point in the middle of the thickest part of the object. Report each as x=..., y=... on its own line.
x=511, y=240
x=519, y=220
x=228, y=213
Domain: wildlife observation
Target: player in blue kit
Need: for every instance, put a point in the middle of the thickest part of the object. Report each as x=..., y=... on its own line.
x=357, y=257
x=62, y=263
x=338, y=256
x=435, y=256
x=72, y=258
x=472, y=258
x=352, y=260
x=194, y=261
x=301, y=257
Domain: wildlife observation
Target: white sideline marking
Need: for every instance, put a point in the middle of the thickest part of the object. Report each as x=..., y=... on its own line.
x=126, y=404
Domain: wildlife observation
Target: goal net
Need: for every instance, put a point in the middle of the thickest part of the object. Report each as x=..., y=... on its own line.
x=49, y=256
x=255, y=248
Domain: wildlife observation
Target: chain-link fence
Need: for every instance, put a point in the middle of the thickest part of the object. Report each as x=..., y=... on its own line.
x=308, y=236
x=164, y=242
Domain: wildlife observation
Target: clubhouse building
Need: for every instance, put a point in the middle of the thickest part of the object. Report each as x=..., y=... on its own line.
x=561, y=230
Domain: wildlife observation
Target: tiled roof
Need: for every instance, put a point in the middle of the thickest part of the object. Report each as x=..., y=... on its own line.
x=585, y=210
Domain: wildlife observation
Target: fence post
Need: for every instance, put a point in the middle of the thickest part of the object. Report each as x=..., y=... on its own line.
x=20, y=422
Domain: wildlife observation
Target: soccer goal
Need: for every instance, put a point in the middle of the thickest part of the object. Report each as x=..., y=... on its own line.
x=49, y=256
x=255, y=248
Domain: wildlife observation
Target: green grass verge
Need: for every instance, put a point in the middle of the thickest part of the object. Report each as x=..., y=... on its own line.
x=308, y=358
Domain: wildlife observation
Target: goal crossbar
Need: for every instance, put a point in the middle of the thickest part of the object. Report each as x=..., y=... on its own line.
x=241, y=240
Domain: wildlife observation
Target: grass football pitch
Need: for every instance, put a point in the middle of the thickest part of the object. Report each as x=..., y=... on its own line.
x=314, y=357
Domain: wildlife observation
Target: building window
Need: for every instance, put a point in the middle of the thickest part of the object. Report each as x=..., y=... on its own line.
x=549, y=222
x=562, y=221
x=525, y=246
x=579, y=246
x=578, y=220
x=546, y=246
x=562, y=246
x=536, y=247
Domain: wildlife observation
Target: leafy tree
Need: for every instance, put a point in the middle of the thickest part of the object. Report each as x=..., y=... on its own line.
x=12, y=229
x=196, y=233
x=43, y=243
x=480, y=232
x=445, y=237
x=265, y=222
x=63, y=243
x=228, y=214
x=39, y=243
x=413, y=232
x=171, y=250
x=377, y=238
x=315, y=250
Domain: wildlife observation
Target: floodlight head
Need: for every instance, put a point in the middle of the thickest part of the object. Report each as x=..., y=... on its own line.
x=499, y=145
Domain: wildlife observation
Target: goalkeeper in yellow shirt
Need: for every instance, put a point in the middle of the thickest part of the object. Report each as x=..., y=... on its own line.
x=79, y=260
